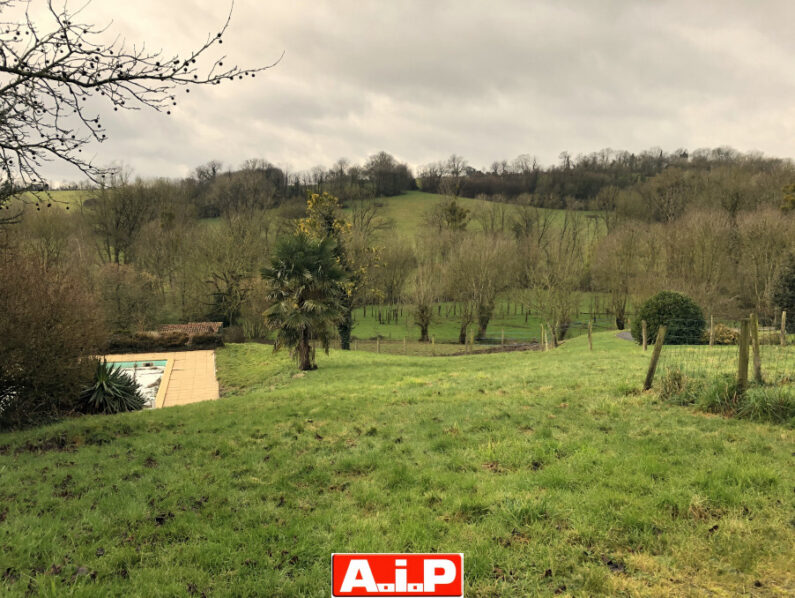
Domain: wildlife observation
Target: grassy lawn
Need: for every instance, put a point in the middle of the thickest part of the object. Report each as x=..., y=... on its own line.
x=548, y=470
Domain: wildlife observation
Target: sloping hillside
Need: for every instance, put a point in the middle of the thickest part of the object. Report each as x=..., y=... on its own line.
x=547, y=470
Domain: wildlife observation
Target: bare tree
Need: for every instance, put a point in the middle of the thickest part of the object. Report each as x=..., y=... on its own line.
x=423, y=295
x=493, y=216
x=117, y=214
x=556, y=275
x=390, y=275
x=614, y=268
x=49, y=70
x=478, y=269
x=367, y=219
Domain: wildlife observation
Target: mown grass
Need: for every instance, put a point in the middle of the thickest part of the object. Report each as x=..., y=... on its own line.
x=548, y=470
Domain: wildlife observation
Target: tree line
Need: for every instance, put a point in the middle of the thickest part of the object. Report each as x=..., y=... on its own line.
x=138, y=254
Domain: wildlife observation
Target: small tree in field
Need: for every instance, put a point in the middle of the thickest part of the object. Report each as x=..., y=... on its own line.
x=306, y=288
x=423, y=295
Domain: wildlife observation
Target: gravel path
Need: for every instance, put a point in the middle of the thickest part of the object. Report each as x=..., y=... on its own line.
x=626, y=335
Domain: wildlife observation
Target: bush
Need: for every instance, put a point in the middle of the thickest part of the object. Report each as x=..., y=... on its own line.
x=724, y=335
x=142, y=342
x=171, y=340
x=48, y=321
x=111, y=391
x=232, y=334
x=208, y=340
x=684, y=319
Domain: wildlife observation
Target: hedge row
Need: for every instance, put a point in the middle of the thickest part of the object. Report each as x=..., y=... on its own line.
x=140, y=342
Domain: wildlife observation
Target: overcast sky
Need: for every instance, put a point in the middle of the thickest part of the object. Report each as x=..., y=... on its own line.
x=487, y=80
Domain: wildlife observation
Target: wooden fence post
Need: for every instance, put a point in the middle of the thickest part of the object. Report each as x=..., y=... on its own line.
x=655, y=357
x=377, y=344
x=590, y=340
x=742, y=362
x=405, y=347
x=643, y=332
x=784, y=328
x=755, y=346
x=711, y=331
x=551, y=332
x=502, y=336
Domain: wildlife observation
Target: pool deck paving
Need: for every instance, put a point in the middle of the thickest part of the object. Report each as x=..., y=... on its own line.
x=189, y=376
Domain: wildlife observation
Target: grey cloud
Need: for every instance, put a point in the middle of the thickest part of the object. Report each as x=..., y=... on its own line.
x=485, y=80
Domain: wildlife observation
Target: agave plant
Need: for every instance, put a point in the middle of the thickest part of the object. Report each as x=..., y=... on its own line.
x=112, y=391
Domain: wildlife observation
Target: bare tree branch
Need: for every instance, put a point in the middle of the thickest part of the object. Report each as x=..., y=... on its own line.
x=47, y=76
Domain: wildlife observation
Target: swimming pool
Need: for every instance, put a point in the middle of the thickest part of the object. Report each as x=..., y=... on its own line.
x=159, y=363
x=147, y=374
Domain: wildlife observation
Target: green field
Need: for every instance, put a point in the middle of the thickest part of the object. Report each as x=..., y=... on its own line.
x=509, y=321
x=56, y=198
x=549, y=471
x=409, y=211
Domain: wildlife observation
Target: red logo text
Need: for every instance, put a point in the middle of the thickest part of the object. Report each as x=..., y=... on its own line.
x=440, y=575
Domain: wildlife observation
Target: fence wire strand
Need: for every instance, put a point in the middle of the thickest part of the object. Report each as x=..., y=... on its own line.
x=694, y=357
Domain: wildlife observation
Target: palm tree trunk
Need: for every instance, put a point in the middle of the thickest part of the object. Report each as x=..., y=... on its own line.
x=345, y=327
x=304, y=352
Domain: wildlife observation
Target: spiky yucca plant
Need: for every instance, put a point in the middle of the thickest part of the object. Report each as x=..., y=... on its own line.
x=306, y=289
x=112, y=391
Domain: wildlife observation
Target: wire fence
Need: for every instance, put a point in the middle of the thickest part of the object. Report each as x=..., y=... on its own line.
x=502, y=335
x=718, y=351
x=510, y=322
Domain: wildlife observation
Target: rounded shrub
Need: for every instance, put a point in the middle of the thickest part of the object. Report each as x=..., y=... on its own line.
x=682, y=316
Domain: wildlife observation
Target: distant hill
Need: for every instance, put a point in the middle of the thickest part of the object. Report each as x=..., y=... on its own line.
x=56, y=198
x=410, y=209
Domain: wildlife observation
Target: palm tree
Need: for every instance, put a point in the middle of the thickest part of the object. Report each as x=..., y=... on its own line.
x=306, y=288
